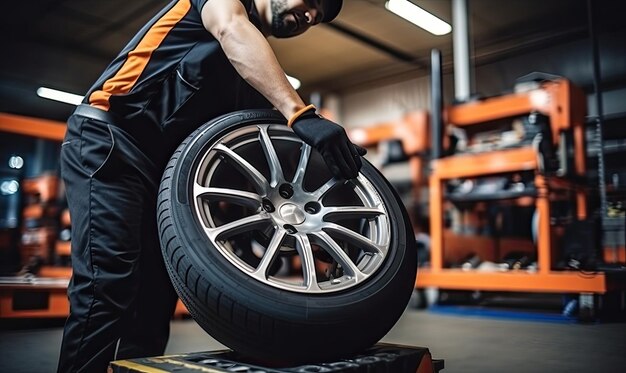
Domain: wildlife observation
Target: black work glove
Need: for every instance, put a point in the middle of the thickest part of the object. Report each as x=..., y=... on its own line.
x=342, y=157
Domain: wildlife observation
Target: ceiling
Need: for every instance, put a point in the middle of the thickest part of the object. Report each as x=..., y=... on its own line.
x=65, y=44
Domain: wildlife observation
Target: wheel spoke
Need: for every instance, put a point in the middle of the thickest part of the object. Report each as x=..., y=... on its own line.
x=308, y=262
x=352, y=212
x=321, y=191
x=260, y=182
x=273, y=162
x=235, y=196
x=269, y=255
x=354, y=238
x=235, y=227
x=340, y=256
x=298, y=178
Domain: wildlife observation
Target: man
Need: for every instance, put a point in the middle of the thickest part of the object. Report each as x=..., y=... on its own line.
x=195, y=60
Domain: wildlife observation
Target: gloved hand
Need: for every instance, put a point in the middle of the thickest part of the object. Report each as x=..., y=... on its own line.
x=342, y=157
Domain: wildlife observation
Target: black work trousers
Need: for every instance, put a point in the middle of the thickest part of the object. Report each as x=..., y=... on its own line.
x=121, y=299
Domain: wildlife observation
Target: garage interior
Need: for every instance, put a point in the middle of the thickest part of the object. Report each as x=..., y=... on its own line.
x=502, y=138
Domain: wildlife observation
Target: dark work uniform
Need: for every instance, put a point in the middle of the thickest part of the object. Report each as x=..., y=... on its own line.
x=172, y=77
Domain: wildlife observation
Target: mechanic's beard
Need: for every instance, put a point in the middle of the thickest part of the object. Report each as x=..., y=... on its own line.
x=279, y=28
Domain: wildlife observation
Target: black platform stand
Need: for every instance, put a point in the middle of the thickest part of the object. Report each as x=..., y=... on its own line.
x=382, y=358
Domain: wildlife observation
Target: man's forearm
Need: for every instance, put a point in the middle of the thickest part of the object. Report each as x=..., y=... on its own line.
x=251, y=55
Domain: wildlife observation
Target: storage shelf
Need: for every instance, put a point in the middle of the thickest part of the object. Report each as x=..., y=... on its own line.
x=474, y=165
x=514, y=280
x=564, y=104
x=48, y=290
x=486, y=197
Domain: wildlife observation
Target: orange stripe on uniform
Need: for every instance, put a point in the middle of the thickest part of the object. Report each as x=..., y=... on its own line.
x=137, y=60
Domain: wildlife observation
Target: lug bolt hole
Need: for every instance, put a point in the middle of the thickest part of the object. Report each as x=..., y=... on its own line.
x=285, y=191
x=312, y=208
x=290, y=228
x=267, y=205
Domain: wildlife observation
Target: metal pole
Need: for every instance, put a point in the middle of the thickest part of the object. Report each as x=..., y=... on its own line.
x=599, y=109
x=436, y=103
x=460, y=44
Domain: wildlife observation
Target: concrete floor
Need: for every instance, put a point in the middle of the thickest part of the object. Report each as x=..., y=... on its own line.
x=467, y=344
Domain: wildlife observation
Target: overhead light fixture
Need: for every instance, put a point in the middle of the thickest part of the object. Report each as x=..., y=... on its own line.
x=418, y=16
x=53, y=94
x=295, y=83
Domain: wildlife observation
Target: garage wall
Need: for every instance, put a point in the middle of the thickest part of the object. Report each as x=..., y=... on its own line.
x=366, y=108
x=572, y=60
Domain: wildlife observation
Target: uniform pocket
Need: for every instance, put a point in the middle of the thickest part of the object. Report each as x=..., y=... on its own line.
x=97, y=143
x=175, y=91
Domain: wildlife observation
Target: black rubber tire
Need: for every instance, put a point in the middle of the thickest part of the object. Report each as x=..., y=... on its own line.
x=261, y=321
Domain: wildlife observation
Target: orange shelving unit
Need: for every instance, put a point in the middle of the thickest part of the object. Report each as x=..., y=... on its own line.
x=43, y=295
x=412, y=130
x=565, y=105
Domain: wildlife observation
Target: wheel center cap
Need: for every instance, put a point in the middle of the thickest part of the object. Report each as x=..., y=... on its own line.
x=291, y=213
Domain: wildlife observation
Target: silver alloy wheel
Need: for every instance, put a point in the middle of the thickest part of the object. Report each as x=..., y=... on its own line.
x=285, y=223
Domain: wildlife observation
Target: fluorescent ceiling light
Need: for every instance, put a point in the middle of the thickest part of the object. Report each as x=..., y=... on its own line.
x=418, y=16
x=295, y=83
x=53, y=94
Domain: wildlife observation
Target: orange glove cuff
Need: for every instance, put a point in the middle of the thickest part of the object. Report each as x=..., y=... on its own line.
x=298, y=113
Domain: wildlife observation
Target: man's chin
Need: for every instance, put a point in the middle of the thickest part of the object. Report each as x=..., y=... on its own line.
x=284, y=32
x=282, y=36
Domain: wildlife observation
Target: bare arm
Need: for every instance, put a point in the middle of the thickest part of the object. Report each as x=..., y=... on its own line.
x=253, y=58
x=250, y=53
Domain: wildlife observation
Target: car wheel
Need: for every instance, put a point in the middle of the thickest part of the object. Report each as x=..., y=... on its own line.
x=273, y=256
